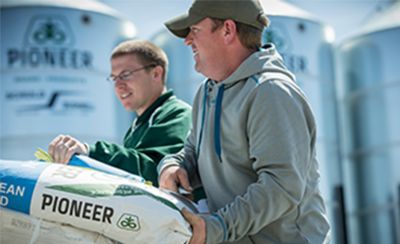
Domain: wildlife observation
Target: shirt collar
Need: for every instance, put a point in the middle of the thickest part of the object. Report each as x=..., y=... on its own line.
x=157, y=103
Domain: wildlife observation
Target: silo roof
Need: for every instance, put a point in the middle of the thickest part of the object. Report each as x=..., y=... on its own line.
x=282, y=8
x=387, y=19
x=87, y=5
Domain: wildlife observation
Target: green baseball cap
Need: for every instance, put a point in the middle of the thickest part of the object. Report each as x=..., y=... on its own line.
x=243, y=11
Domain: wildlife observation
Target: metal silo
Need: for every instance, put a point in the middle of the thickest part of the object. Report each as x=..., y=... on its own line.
x=369, y=95
x=54, y=61
x=306, y=47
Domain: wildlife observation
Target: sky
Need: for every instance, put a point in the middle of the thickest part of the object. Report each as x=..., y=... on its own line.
x=344, y=16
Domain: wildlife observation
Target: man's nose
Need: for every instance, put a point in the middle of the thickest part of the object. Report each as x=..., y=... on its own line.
x=118, y=82
x=189, y=39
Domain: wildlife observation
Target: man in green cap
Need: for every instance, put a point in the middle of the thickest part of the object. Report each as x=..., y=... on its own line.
x=252, y=145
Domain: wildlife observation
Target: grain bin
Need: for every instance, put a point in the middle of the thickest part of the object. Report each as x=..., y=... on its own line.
x=54, y=61
x=369, y=92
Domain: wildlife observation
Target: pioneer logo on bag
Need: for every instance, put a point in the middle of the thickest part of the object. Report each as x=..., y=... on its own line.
x=129, y=222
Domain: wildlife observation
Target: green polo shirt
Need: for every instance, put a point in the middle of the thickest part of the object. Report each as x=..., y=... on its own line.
x=162, y=129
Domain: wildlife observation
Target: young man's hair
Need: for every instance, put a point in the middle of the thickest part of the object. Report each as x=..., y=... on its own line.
x=249, y=36
x=147, y=53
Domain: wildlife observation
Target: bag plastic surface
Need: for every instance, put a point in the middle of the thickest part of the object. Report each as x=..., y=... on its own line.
x=123, y=209
x=19, y=228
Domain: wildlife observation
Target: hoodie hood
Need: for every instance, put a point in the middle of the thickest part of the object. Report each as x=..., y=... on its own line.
x=265, y=60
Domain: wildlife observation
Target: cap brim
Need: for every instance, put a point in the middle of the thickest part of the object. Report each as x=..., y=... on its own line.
x=180, y=26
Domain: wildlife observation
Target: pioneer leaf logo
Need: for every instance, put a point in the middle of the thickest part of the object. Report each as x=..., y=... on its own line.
x=49, y=42
x=49, y=30
x=129, y=222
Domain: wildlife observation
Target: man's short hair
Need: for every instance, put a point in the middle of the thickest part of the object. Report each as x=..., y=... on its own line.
x=249, y=36
x=146, y=52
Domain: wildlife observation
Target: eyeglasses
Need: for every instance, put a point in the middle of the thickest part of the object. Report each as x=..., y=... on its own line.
x=127, y=74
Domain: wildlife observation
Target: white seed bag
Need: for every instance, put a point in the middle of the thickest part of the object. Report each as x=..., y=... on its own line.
x=19, y=228
x=122, y=209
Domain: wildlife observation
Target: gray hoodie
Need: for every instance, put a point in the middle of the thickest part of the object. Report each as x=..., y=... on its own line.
x=252, y=148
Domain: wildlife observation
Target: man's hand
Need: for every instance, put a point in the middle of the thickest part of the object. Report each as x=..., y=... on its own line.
x=198, y=227
x=62, y=148
x=173, y=177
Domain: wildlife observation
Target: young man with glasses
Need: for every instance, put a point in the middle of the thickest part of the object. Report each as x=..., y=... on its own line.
x=138, y=72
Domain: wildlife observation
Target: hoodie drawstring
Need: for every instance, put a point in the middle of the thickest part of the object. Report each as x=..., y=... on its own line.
x=202, y=118
x=217, y=122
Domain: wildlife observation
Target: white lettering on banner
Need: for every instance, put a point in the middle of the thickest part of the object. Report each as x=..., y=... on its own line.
x=77, y=209
x=10, y=189
x=3, y=201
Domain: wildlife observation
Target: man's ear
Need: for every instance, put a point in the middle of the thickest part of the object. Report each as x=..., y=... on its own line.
x=158, y=72
x=230, y=31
